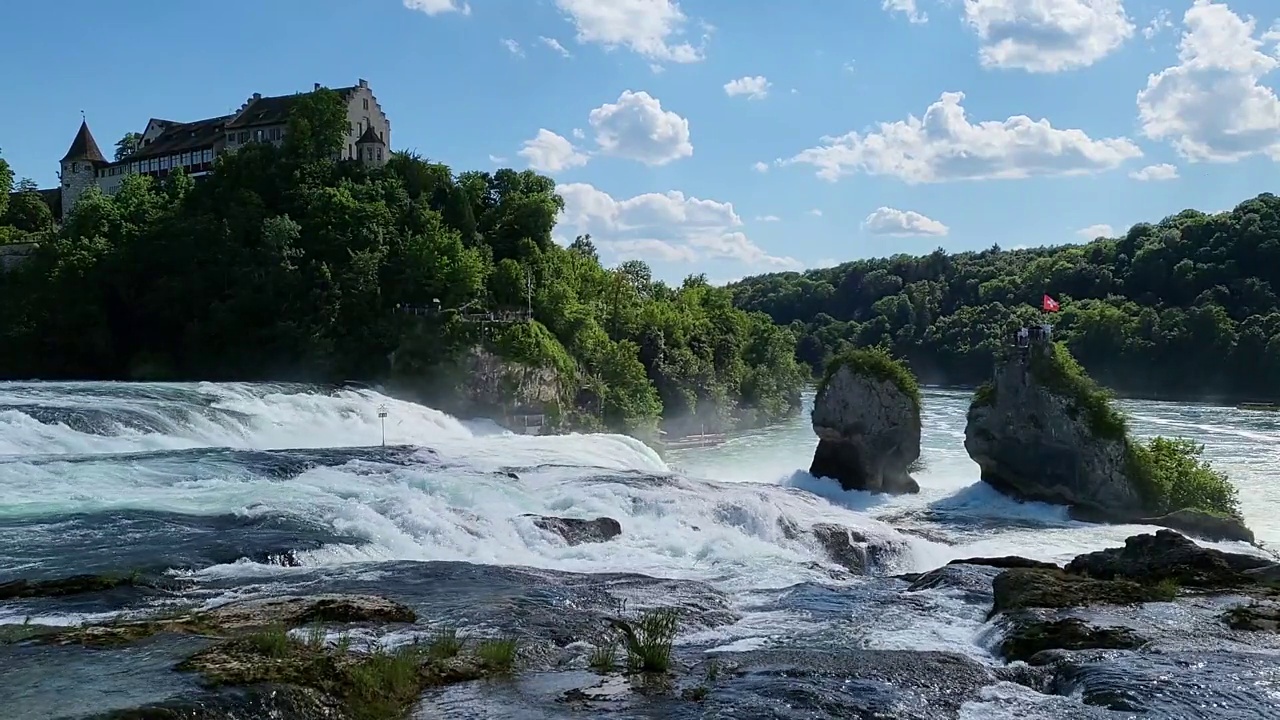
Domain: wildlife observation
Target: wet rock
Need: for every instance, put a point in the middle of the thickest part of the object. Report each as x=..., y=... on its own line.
x=1030, y=638
x=1006, y=562
x=1033, y=440
x=1168, y=555
x=63, y=587
x=1206, y=525
x=972, y=580
x=1256, y=617
x=301, y=610
x=847, y=547
x=868, y=428
x=1033, y=588
x=261, y=701
x=577, y=531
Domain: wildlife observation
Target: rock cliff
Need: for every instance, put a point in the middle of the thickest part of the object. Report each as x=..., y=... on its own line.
x=867, y=418
x=1043, y=431
x=1034, y=438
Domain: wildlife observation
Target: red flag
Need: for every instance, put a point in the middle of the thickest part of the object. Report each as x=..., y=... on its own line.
x=1048, y=304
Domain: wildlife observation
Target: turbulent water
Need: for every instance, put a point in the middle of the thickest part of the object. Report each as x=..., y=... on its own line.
x=212, y=483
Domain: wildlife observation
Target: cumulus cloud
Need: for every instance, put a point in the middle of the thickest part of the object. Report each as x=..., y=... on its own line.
x=1212, y=106
x=906, y=7
x=945, y=146
x=760, y=167
x=636, y=127
x=512, y=47
x=902, y=223
x=670, y=226
x=549, y=152
x=754, y=87
x=1163, y=171
x=650, y=28
x=815, y=212
x=438, y=7
x=768, y=218
x=1094, y=232
x=1047, y=35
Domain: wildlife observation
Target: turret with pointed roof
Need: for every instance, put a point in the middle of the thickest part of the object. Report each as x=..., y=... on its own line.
x=84, y=147
x=371, y=149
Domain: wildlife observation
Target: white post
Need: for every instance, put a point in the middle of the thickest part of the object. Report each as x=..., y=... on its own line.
x=382, y=416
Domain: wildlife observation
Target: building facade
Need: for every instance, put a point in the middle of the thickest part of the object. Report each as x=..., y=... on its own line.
x=167, y=145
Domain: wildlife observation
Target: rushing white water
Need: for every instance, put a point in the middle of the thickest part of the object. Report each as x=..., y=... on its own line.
x=96, y=447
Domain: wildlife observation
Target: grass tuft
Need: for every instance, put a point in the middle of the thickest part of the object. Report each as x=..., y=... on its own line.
x=272, y=641
x=498, y=653
x=604, y=654
x=650, y=640
x=445, y=643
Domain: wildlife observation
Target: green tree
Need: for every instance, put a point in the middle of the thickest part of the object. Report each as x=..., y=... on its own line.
x=27, y=211
x=127, y=145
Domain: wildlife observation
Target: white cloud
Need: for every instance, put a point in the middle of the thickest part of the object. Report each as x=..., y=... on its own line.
x=512, y=47
x=906, y=7
x=579, y=133
x=768, y=218
x=666, y=226
x=815, y=212
x=437, y=7
x=1212, y=105
x=497, y=159
x=902, y=223
x=944, y=146
x=1094, y=232
x=637, y=128
x=649, y=28
x=1047, y=35
x=554, y=44
x=850, y=67
x=823, y=263
x=1163, y=171
x=549, y=152
x=754, y=87
x=760, y=167
x=1158, y=24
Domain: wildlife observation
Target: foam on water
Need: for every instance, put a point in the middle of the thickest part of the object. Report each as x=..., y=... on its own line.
x=716, y=520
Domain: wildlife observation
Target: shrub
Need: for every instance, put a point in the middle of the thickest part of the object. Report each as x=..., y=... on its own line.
x=1172, y=475
x=984, y=395
x=1063, y=376
x=875, y=362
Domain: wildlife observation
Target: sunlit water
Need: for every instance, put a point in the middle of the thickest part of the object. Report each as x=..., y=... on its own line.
x=202, y=479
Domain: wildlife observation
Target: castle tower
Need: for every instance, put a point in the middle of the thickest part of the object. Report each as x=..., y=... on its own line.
x=79, y=167
x=370, y=149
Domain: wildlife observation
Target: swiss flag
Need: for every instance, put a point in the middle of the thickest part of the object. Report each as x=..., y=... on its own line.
x=1048, y=304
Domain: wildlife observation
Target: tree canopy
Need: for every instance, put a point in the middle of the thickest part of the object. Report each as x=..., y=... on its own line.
x=1183, y=307
x=285, y=263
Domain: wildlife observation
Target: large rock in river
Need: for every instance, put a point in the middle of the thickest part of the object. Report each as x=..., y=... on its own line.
x=867, y=418
x=1034, y=438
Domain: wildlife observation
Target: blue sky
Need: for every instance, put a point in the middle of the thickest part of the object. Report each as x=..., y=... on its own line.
x=876, y=126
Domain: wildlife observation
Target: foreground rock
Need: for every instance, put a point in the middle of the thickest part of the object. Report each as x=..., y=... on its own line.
x=577, y=531
x=867, y=418
x=1043, y=431
x=1027, y=640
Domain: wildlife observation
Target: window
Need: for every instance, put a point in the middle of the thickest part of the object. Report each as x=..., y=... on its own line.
x=164, y=163
x=208, y=155
x=244, y=136
x=231, y=138
x=257, y=135
x=275, y=133
x=351, y=128
x=351, y=155
x=186, y=159
x=379, y=154
x=366, y=103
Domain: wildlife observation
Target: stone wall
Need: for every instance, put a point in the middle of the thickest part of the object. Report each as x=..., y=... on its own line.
x=11, y=255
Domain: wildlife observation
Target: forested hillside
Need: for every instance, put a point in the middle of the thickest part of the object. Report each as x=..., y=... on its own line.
x=287, y=264
x=1185, y=307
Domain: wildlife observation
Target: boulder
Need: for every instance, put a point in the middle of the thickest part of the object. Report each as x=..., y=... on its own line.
x=848, y=548
x=1022, y=588
x=577, y=531
x=1034, y=438
x=295, y=610
x=1168, y=555
x=867, y=418
x=1201, y=524
x=1028, y=639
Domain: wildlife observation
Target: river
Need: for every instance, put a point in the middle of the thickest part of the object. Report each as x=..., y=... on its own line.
x=206, y=481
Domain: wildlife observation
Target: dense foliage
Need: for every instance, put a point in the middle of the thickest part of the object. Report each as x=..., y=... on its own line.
x=286, y=263
x=874, y=362
x=1058, y=371
x=1183, y=307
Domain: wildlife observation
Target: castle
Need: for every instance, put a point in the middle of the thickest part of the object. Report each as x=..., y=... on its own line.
x=167, y=145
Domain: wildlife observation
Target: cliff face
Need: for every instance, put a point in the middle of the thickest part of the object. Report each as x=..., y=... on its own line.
x=1034, y=440
x=869, y=433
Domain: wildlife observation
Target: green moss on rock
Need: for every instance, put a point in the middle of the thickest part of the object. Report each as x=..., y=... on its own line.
x=1053, y=367
x=877, y=363
x=1023, y=588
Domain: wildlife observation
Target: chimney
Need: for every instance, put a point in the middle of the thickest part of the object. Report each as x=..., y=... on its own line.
x=257, y=96
x=364, y=83
x=317, y=87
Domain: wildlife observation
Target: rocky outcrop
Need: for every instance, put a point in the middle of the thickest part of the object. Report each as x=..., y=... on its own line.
x=577, y=531
x=848, y=548
x=1204, y=525
x=1033, y=440
x=299, y=610
x=868, y=428
x=1026, y=640
x=1170, y=556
